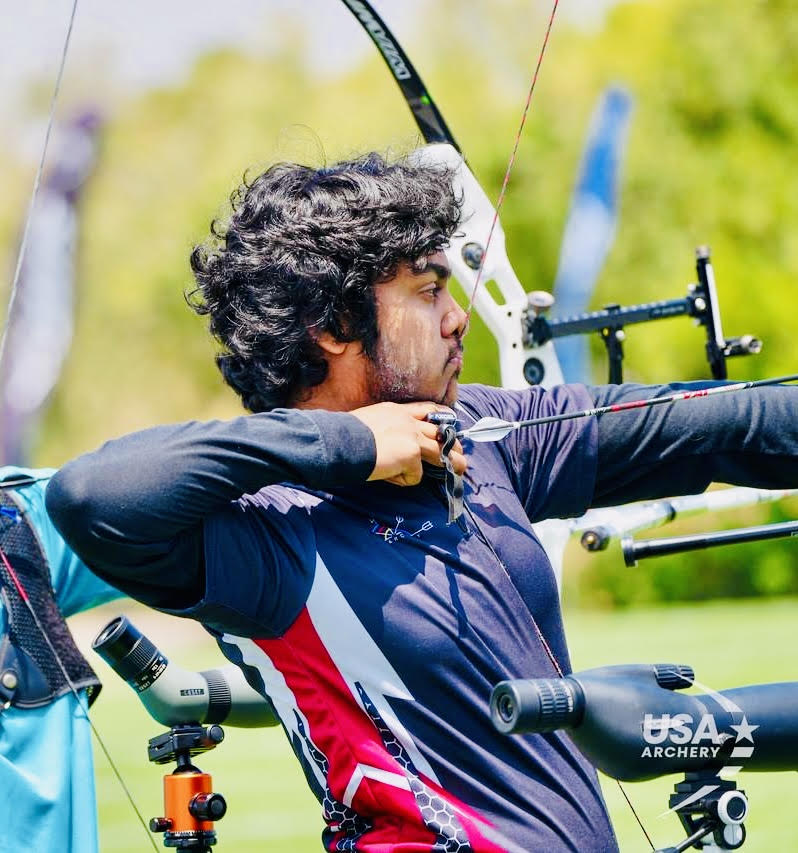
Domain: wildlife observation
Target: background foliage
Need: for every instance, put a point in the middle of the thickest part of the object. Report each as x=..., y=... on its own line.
x=710, y=160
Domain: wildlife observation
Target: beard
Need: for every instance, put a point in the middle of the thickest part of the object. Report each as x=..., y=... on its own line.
x=389, y=382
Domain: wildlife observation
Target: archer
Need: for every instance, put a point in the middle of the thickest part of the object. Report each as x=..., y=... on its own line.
x=327, y=291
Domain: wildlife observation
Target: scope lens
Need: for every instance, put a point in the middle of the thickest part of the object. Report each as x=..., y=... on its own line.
x=116, y=640
x=505, y=707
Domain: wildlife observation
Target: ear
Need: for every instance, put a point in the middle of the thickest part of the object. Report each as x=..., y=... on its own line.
x=330, y=344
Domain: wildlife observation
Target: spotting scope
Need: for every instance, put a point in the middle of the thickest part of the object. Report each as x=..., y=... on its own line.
x=173, y=695
x=631, y=722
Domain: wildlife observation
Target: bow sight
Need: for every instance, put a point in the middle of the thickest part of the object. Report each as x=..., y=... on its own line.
x=700, y=303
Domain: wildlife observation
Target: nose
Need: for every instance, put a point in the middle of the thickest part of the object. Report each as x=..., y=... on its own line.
x=455, y=321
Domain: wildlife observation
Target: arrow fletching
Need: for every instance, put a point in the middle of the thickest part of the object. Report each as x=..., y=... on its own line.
x=488, y=429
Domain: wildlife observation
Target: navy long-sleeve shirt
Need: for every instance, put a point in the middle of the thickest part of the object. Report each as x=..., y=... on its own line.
x=376, y=629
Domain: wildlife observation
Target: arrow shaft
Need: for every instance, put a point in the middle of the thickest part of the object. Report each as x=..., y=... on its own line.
x=629, y=405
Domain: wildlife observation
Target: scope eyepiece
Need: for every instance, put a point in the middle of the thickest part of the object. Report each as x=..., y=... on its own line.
x=175, y=696
x=130, y=654
x=536, y=705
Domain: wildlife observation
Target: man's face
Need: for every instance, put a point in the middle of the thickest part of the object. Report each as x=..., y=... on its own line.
x=419, y=352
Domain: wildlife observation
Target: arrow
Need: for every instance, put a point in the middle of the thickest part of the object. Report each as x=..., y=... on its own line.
x=495, y=429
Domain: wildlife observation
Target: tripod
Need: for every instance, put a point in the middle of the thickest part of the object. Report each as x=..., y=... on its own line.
x=190, y=806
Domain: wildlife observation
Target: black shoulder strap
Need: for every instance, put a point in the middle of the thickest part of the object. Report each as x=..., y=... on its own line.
x=30, y=675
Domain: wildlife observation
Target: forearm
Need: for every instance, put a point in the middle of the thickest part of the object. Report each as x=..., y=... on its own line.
x=133, y=509
x=748, y=438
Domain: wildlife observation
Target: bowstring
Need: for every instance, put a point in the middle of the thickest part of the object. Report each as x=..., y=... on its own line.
x=511, y=162
x=494, y=221
x=23, y=245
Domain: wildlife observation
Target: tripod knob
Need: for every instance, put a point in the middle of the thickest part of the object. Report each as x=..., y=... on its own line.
x=208, y=806
x=731, y=837
x=732, y=807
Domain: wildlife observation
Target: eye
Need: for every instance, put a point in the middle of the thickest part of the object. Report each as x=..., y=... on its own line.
x=432, y=292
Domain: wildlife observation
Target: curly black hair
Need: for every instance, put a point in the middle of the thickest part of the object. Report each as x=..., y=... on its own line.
x=300, y=256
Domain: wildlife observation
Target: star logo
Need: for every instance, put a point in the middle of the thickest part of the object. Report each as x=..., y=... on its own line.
x=744, y=730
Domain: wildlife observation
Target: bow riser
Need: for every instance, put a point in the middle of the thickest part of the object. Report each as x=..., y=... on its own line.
x=506, y=320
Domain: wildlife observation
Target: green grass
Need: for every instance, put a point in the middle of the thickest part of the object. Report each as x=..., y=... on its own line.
x=728, y=643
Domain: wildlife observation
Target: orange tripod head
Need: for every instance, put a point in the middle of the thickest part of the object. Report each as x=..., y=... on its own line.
x=190, y=805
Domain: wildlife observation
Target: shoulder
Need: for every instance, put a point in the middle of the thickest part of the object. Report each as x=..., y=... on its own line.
x=25, y=475
x=280, y=499
x=277, y=518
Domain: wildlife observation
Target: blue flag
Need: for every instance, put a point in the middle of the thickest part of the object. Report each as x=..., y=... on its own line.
x=590, y=228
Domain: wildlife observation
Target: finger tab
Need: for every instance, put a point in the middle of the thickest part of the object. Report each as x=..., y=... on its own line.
x=447, y=437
